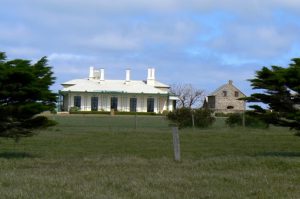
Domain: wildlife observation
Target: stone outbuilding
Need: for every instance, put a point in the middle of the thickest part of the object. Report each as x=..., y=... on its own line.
x=226, y=99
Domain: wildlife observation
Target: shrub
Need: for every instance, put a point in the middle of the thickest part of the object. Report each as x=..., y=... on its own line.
x=183, y=117
x=165, y=112
x=221, y=114
x=90, y=112
x=108, y=113
x=236, y=119
x=203, y=118
x=74, y=109
x=135, y=113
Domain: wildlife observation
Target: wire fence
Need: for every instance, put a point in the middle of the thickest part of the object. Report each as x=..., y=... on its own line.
x=78, y=122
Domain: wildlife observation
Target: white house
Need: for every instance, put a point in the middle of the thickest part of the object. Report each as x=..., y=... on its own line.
x=99, y=94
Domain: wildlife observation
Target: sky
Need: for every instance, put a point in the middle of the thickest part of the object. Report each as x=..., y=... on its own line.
x=200, y=42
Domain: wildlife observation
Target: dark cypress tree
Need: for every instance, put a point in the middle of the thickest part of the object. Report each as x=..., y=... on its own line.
x=24, y=93
x=279, y=89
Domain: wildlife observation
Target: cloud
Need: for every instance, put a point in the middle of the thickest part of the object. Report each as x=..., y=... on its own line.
x=13, y=31
x=23, y=51
x=205, y=42
x=112, y=41
x=69, y=57
x=253, y=42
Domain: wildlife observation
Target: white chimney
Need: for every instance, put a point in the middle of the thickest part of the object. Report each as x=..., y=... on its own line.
x=127, y=75
x=149, y=73
x=102, y=74
x=151, y=76
x=153, y=73
x=91, y=75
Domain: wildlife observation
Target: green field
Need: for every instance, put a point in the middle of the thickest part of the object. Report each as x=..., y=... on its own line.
x=114, y=157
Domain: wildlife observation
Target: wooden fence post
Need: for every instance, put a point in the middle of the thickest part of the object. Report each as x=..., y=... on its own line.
x=176, y=143
x=244, y=119
x=193, y=120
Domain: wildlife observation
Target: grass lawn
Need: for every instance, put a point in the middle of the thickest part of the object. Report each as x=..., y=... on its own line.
x=111, y=157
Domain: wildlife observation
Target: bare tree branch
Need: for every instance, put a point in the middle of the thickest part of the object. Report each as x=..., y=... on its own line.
x=188, y=95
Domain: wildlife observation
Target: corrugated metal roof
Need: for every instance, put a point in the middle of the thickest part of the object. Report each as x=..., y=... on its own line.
x=133, y=86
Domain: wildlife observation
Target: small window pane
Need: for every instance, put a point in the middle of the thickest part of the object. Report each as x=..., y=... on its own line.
x=224, y=93
x=236, y=94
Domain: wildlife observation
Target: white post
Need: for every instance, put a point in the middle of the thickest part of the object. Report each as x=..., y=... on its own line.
x=176, y=143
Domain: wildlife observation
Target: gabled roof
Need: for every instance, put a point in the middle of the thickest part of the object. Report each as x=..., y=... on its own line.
x=133, y=86
x=224, y=86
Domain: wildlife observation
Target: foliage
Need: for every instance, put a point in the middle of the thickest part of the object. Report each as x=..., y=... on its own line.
x=188, y=95
x=221, y=114
x=135, y=113
x=279, y=89
x=236, y=119
x=108, y=113
x=165, y=112
x=182, y=117
x=24, y=93
x=203, y=118
x=74, y=109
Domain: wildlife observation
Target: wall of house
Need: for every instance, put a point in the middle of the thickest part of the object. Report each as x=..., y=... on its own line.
x=104, y=100
x=229, y=103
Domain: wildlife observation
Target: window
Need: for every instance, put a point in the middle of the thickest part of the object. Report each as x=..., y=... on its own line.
x=224, y=93
x=150, y=105
x=236, y=94
x=114, y=103
x=174, y=104
x=211, y=101
x=94, y=103
x=230, y=107
x=133, y=104
x=77, y=101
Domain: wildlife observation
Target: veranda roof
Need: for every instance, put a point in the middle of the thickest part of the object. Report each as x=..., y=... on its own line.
x=133, y=86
